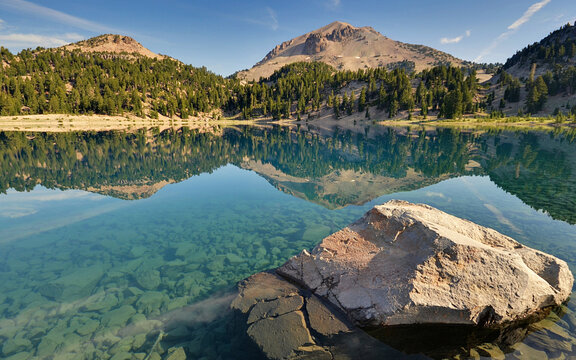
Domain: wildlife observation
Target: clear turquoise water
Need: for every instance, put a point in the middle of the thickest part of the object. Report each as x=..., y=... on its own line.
x=85, y=275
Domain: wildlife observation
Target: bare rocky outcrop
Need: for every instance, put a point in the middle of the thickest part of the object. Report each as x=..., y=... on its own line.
x=347, y=47
x=404, y=263
x=113, y=44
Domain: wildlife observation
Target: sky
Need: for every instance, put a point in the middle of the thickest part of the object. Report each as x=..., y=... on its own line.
x=227, y=36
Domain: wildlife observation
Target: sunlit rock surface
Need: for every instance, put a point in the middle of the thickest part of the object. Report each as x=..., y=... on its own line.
x=413, y=264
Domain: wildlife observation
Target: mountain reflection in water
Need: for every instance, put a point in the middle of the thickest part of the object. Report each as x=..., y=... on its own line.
x=335, y=170
x=100, y=276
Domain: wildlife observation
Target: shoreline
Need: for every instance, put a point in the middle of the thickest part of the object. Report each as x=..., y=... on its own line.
x=69, y=122
x=544, y=124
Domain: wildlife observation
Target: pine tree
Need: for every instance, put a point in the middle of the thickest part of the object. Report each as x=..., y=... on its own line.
x=362, y=100
x=336, y=107
x=453, y=105
x=350, y=107
x=393, y=110
x=381, y=96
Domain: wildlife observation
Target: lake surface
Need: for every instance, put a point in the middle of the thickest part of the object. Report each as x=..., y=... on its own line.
x=112, y=241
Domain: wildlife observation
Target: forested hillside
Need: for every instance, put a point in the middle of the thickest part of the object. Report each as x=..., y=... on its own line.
x=305, y=88
x=541, y=78
x=78, y=82
x=115, y=75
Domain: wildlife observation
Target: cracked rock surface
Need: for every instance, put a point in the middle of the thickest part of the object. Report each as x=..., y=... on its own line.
x=406, y=263
x=287, y=322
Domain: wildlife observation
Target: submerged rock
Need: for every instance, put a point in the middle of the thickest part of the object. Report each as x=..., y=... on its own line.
x=413, y=264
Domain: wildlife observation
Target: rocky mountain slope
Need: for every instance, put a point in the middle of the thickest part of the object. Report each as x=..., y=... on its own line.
x=115, y=44
x=558, y=48
x=541, y=78
x=348, y=48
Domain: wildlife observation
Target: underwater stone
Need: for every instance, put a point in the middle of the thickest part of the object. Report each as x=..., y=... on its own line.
x=139, y=340
x=177, y=303
x=118, y=317
x=106, y=302
x=88, y=327
x=51, y=291
x=122, y=356
x=155, y=356
x=176, y=354
x=543, y=340
x=234, y=259
x=12, y=346
x=217, y=263
x=523, y=351
x=20, y=356
x=553, y=327
x=143, y=327
x=122, y=346
x=80, y=282
x=315, y=232
x=406, y=264
x=137, y=318
x=148, y=279
x=8, y=328
x=150, y=302
x=138, y=251
x=71, y=340
x=133, y=291
x=491, y=351
x=48, y=346
x=276, y=241
x=184, y=285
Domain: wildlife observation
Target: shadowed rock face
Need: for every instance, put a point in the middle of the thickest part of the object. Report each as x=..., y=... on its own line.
x=289, y=322
x=412, y=264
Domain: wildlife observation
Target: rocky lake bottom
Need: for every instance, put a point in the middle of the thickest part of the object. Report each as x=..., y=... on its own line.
x=88, y=276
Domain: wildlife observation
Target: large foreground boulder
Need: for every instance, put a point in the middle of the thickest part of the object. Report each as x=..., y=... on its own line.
x=404, y=263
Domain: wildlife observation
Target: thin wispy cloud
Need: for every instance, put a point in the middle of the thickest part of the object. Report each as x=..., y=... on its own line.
x=533, y=9
x=455, y=40
x=333, y=3
x=273, y=18
x=33, y=40
x=29, y=8
x=270, y=19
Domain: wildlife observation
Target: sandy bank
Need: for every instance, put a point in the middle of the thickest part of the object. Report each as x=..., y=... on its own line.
x=65, y=123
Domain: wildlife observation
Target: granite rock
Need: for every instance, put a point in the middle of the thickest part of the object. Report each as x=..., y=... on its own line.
x=404, y=263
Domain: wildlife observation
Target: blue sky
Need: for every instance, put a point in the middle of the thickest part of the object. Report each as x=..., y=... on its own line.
x=226, y=36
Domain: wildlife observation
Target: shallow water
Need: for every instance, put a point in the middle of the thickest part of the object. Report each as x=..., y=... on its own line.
x=93, y=275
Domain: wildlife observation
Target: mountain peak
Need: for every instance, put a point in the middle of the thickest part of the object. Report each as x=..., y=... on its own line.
x=336, y=25
x=112, y=43
x=347, y=47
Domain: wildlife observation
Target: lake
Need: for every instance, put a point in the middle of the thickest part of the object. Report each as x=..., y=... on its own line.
x=122, y=244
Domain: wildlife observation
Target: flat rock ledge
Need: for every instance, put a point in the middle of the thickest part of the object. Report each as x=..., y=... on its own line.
x=404, y=263
x=286, y=321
